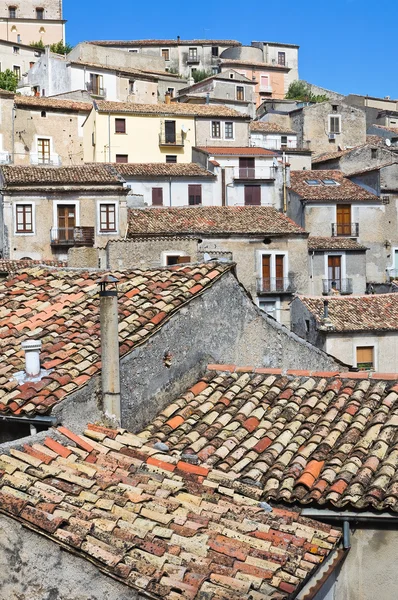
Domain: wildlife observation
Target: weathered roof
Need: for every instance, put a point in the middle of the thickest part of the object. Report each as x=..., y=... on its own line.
x=165, y=42
x=334, y=243
x=146, y=518
x=330, y=156
x=87, y=174
x=299, y=437
x=346, y=190
x=393, y=130
x=12, y=266
x=374, y=312
x=253, y=63
x=265, y=127
x=61, y=308
x=240, y=151
x=149, y=73
x=49, y=103
x=161, y=170
x=388, y=163
x=221, y=220
x=175, y=108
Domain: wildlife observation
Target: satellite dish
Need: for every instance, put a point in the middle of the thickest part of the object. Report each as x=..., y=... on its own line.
x=388, y=142
x=184, y=129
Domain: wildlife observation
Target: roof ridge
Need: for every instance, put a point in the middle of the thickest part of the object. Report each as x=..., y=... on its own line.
x=302, y=373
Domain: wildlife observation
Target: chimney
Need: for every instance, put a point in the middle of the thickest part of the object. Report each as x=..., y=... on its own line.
x=110, y=348
x=167, y=98
x=207, y=98
x=32, y=357
x=325, y=310
x=178, y=39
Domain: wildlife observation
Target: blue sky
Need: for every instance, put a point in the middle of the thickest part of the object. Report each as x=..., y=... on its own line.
x=346, y=45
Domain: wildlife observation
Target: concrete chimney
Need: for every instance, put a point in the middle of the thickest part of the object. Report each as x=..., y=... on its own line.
x=32, y=357
x=110, y=348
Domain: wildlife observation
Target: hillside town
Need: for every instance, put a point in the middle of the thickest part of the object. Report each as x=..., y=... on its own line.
x=198, y=322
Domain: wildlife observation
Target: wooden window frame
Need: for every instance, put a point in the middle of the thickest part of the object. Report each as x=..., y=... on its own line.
x=365, y=365
x=240, y=93
x=229, y=125
x=106, y=208
x=193, y=193
x=119, y=121
x=165, y=53
x=216, y=127
x=157, y=191
x=282, y=59
x=332, y=127
x=120, y=158
x=171, y=156
x=27, y=209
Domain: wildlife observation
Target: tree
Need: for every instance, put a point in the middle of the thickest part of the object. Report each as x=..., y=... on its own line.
x=8, y=80
x=57, y=48
x=38, y=44
x=200, y=75
x=299, y=90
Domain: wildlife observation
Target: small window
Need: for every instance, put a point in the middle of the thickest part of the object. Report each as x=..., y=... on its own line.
x=365, y=358
x=15, y=49
x=173, y=259
x=39, y=13
x=131, y=86
x=107, y=217
x=194, y=195
x=214, y=70
x=134, y=50
x=312, y=182
x=282, y=58
x=193, y=54
x=215, y=129
x=120, y=125
x=12, y=12
x=24, y=218
x=231, y=75
x=229, y=130
x=193, y=70
x=214, y=51
x=283, y=140
x=166, y=53
x=335, y=108
x=307, y=326
x=334, y=125
x=240, y=92
x=31, y=64
x=171, y=158
x=157, y=196
x=122, y=158
x=374, y=152
x=43, y=114
x=17, y=71
x=329, y=182
x=170, y=91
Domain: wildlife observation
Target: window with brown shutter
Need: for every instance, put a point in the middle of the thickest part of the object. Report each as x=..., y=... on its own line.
x=107, y=217
x=365, y=358
x=334, y=124
x=194, y=194
x=252, y=195
x=166, y=53
x=120, y=125
x=157, y=196
x=343, y=218
x=24, y=218
x=240, y=92
x=122, y=158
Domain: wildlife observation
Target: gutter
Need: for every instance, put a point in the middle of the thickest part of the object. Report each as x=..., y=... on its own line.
x=349, y=516
x=37, y=420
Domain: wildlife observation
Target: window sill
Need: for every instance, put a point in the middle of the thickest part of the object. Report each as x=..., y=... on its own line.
x=109, y=232
x=24, y=233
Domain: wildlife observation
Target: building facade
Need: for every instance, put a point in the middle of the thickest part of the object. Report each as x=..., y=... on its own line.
x=24, y=22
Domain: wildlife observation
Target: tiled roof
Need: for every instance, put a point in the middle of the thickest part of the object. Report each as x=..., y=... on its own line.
x=61, y=307
x=393, y=130
x=388, y=163
x=374, y=312
x=144, y=73
x=253, y=63
x=166, y=42
x=94, y=173
x=299, y=437
x=51, y=103
x=161, y=170
x=265, y=127
x=346, y=190
x=241, y=151
x=175, y=108
x=12, y=266
x=330, y=156
x=145, y=518
x=333, y=243
x=221, y=220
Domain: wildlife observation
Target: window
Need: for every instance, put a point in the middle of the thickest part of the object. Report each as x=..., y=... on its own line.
x=193, y=70
x=31, y=64
x=170, y=135
x=214, y=70
x=264, y=83
x=374, y=152
x=229, y=130
x=131, y=86
x=12, y=12
x=95, y=85
x=170, y=91
x=240, y=92
x=15, y=49
x=343, y=219
x=312, y=182
x=214, y=51
x=231, y=75
x=39, y=13
x=120, y=125
x=171, y=158
x=194, y=194
x=43, y=114
x=329, y=182
x=43, y=151
x=252, y=195
x=365, y=358
x=193, y=54
x=269, y=306
x=24, y=218
x=215, y=129
x=17, y=71
x=122, y=158
x=166, y=53
x=334, y=124
x=281, y=58
x=107, y=217
x=157, y=196
x=134, y=50
x=273, y=273
x=176, y=259
x=335, y=108
x=283, y=140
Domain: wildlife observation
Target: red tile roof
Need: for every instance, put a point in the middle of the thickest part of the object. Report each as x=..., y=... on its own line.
x=12, y=266
x=346, y=190
x=211, y=220
x=61, y=308
x=254, y=63
x=299, y=437
x=265, y=127
x=334, y=243
x=48, y=103
x=375, y=312
x=161, y=170
x=166, y=43
x=145, y=517
x=240, y=151
x=393, y=130
x=175, y=108
x=87, y=174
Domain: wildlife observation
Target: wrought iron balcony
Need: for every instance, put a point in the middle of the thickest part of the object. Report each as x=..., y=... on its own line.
x=193, y=60
x=254, y=173
x=95, y=90
x=336, y=286
x=345, y=229
x=275, y=285
x=169, y=139
x=72, y=236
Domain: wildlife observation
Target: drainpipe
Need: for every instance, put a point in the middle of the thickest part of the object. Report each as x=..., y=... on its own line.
x=346, y=535
x=170, y=201
x=284, y=183
x=110, y=369
x=109, y=137
x=13, y=111
x=312, y=272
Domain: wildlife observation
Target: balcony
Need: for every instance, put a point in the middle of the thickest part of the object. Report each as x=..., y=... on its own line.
x=95, y=90
x=345, y=229
x=193, y=60
x=275, y=285
x=336, y=286
x=53, y=160
x=72, y=236
x=5, y=158
x=265, y=89
x=250, y=173
x=270, y=144
x=168, y=139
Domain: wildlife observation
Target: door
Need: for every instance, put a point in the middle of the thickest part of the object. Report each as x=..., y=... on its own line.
x=343, y=217
x=279, y=273
x=252, y=195
x=246, y=168
x=66, y=222
x=157, y=196
x=334, y=273
x=170, y=132
x=266, y=273
x=194, y=194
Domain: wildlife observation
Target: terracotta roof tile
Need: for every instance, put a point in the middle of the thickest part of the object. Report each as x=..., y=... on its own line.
x=151, y=522
x=346, y=190
x=240, y=151
x=52, y=103
x=393, y=130
x=166, y=42
x=334, y=243
x=322, y=438
x=61, y=307
x=222, y=220
x=253, y=63
x=374, y=312
x=265, y=127
x=161, y=170
x=12, y=266
x=88, y=174
x=189, y=110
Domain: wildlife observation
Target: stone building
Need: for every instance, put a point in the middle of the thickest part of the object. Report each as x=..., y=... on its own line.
x=278, y=53
x=350, y=160
x=17, y=57
x=6, y=123
x=26, y=21
x=381, y=111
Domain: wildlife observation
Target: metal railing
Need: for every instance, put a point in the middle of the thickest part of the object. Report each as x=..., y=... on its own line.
x=192, y=60
x=72, y=236
x=168, y=139
x=337, y=286
x=272, y=144
x=254, y=172
x=275, y=285
x=96, y=90
x=345, y=229
x=37, y=158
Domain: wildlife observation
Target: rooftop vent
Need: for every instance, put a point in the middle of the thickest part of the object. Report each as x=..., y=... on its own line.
x=32, y=357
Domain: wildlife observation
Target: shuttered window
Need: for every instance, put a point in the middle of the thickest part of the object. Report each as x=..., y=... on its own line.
x=120, y=125
x=194, y=194
x=24, y=218
x=252, y=195
x=157, y=196
x=334, y=124
x=365, y=358
x=107, y=217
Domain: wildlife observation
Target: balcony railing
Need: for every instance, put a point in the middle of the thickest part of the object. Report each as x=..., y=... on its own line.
x=345, y=229
x=95, y=90
x=53, y=160
x=72, y=236
x=5, y=158
x=275, y=285
x=193, y=60
x=254, y=172
x=167, y=139
x=337, y=286
x=272, y=144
